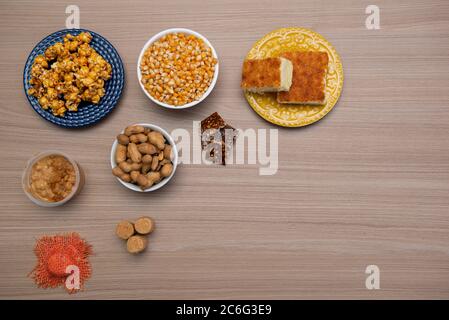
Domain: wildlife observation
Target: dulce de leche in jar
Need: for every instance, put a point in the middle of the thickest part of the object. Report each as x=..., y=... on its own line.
x=51, y=179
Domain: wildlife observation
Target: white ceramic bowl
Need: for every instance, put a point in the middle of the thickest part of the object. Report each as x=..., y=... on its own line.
x=79, y=181
x=174, y=159
x=156, y=37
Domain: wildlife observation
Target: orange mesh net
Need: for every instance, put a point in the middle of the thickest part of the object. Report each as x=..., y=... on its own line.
x=54, y=254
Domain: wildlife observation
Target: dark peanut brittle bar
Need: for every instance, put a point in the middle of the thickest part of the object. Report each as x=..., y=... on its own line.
x=214, y=131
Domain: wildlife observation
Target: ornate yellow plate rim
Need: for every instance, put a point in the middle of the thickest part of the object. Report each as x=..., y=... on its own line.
x=303, y=121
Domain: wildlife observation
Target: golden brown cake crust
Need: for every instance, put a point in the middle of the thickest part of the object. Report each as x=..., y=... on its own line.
x=261, y=73
x=309, y=73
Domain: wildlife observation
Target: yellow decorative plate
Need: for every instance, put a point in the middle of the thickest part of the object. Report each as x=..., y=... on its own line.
x=295, y=39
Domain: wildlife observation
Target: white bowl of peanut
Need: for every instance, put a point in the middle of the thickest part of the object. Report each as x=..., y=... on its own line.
x=177, y=68
x=153, y=163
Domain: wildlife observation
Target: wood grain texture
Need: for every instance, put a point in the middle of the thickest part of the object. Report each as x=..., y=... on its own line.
x=368, y=184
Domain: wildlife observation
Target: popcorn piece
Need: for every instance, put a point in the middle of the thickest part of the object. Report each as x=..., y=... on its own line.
x=69, y=72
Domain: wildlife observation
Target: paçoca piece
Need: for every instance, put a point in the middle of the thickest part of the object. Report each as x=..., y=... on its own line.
x=136, y=244
x=144, y=225
x=309, y=78
x=267, y=75
x=125, y=229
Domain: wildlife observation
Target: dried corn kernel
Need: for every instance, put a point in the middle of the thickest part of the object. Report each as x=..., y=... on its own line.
x=177, y=69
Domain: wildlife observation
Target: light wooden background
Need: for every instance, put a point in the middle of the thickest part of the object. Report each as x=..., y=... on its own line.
x=366, y=185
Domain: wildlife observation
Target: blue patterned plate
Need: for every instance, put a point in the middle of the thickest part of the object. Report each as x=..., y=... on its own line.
x=87, y=113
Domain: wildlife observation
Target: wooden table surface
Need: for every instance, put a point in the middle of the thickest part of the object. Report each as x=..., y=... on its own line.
x=366, y=185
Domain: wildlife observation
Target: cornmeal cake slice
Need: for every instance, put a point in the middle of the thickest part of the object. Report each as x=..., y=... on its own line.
x=309, y=78
x=267, y=75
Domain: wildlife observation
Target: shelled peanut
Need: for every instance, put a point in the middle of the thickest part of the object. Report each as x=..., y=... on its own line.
x=143, y=157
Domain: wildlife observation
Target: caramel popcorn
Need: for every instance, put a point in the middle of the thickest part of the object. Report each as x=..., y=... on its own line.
x=177, y=69
x=67, y=73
